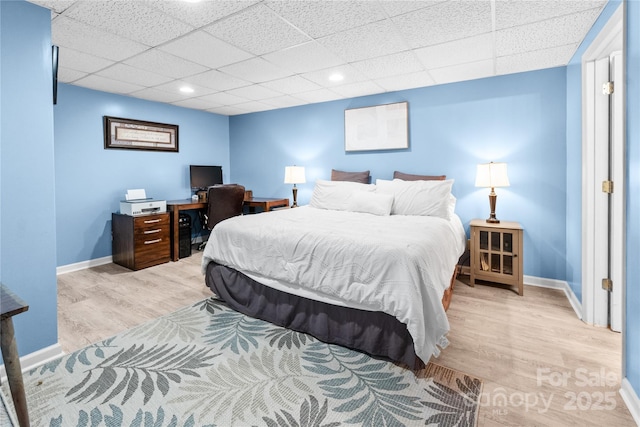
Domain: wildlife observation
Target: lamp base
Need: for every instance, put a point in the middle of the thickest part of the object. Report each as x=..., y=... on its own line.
x=295, y=197
x=492, y=204
x=493, y=221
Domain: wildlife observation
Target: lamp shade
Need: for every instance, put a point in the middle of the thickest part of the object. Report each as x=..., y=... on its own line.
x=294, y=175
x=492, y=175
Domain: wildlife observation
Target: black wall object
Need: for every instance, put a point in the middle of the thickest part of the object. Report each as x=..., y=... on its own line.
x=54, y=63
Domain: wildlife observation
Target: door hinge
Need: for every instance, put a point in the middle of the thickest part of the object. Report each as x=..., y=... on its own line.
x=607, y=284
x=607, y=187
x=607, y=88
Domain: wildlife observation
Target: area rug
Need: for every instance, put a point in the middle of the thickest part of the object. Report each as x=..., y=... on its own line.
x=207, y=365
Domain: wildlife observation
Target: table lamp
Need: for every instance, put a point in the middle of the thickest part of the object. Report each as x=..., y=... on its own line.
x=492, y=175
x=294, y=175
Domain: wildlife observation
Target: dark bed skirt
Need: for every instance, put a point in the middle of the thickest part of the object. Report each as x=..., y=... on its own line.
x=372, y=332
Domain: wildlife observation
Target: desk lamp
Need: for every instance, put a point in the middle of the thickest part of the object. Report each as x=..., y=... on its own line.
x=294, y=175
x=492, y=175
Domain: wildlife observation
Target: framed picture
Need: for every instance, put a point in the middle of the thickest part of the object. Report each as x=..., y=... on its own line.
x=139, y=135
x=382, y=127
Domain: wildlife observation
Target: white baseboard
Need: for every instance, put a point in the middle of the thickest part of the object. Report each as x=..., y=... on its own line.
x=557, y=284
x=35, y=359
x=631, y=399
x=83, y=265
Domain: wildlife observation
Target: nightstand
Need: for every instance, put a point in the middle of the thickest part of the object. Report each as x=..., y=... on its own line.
x=496, y=253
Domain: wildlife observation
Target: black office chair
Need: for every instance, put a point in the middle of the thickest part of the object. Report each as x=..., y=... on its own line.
x=223, y=201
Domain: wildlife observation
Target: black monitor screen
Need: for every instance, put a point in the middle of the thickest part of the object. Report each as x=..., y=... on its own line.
x=205, y=176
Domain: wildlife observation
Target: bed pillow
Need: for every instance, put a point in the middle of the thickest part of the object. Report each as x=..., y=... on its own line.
x=361, y=177
x=425, y=198
x=410, y=177
x=371, y=202
x=336, y=195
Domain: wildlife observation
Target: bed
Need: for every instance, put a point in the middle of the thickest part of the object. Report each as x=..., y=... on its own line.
x=366, y=266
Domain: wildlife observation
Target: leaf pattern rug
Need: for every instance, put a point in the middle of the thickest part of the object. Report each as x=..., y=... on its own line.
x=207, y=365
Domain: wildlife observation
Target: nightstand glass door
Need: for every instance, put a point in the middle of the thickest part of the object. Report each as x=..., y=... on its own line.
x=496, y=252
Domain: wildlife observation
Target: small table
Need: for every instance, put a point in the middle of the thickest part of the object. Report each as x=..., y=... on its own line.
x=266, y=203
x=10, y=305
x=175, y=206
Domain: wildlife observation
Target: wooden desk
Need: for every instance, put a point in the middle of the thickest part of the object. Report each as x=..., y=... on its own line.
x=10, y=305
x=175, y=206
x=266, y=203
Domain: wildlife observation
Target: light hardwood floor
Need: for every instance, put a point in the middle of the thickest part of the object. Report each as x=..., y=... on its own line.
x=533, y=354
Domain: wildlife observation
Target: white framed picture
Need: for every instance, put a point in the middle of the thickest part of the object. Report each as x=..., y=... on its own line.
x=381, y=127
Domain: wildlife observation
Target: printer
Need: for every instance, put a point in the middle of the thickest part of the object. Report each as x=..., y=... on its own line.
x=137, y=203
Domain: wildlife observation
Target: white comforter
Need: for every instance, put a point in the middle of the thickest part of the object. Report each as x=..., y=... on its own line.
x=397, y=264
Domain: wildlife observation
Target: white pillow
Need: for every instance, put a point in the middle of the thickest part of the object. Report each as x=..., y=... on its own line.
x=336, y=195
x=425, y=198
x=373, y=203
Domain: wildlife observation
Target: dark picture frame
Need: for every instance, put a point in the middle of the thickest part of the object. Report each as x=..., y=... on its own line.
x=139, y=135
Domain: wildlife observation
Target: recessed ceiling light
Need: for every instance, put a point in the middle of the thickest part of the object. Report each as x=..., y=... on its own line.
x=336, y=77
x=186, y=89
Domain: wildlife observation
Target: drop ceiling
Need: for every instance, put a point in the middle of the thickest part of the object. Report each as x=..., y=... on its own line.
x=246, y=56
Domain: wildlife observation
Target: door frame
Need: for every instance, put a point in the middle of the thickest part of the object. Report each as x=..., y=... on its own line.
x=594, y=299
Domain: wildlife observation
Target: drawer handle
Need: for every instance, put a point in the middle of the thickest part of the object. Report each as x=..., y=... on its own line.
x=152, y=221
x=157, y=230
x=150, y=242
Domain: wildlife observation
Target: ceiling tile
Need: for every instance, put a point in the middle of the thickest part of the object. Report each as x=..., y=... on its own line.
x=57, y=6
x=133, y=75
x=67, y=75
x=321, y=18
x=320, y=95
x=202, y=48
x=368, y=41
x=445, y=22
x=257, y=30
x=228, y=110
x=195, y=103
x=256, y=70
x=168, y=65
x=224, y=98
x=548, y=58
x=284, y=101
x=457, y=52
x=254, y=92
x=546, y=34
x=406, y=81
x=217, y=80
x=511, y=13
x=459, y=73
x=199, y=14
x=390, y=65
x=303, y=58
x=81, y=61
x=321, y=77
x=293, y=85
x=85, y=38
x=254, y=106
x=157, y=95
x=104, y=84
x=175, y=85
x=358, y=89
x=400, y=7
x=131, y=19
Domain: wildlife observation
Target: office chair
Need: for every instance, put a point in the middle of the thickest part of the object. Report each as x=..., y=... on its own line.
x=223, y=201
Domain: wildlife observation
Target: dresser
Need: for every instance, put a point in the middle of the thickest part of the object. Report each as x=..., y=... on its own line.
x=141, y=241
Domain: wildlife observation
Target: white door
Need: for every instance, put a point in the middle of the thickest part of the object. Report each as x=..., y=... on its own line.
x=616, y=199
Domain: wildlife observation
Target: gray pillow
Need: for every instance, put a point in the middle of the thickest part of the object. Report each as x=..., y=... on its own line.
x=361, y=177
x=411, y=177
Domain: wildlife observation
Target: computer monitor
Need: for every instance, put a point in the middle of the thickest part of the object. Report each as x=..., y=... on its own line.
x=202, y=177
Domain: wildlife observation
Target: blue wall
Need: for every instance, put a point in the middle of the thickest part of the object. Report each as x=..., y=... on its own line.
x=91, y=180
x=574, y=153
x=632, y=329
x=519, y=119
x=28, y=238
